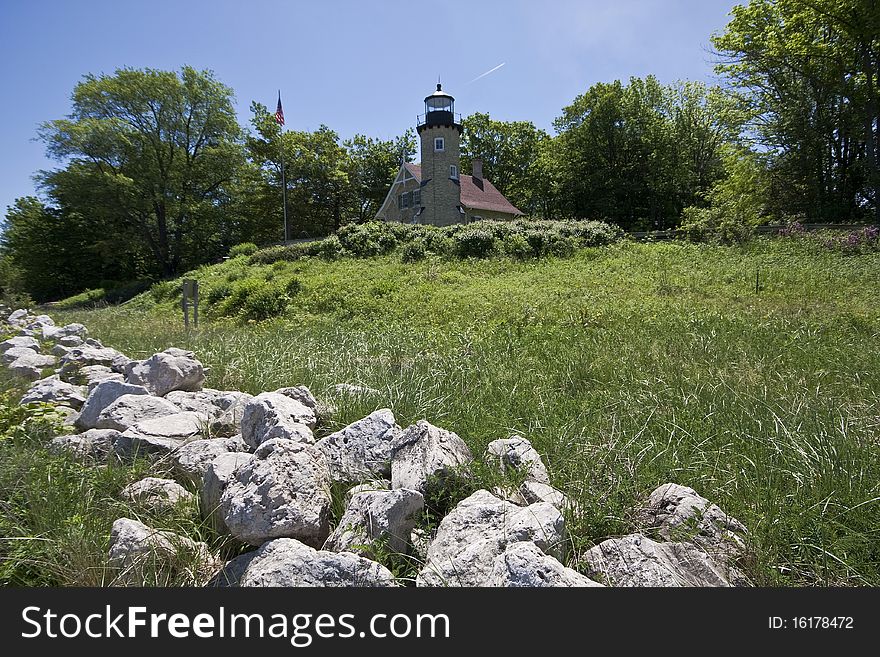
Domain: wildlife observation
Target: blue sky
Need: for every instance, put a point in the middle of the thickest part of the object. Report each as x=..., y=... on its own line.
x=356, y=66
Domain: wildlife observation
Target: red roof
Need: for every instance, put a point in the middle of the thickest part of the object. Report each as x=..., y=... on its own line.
x=480, y=195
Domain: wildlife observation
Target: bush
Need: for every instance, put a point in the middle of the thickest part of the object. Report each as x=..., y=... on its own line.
x=413, y=251
x=517, y=246
x=474, y=242
x=329, y=248
x=243, y=249
x=265, y=302
x=370, y=239
x=165, y=290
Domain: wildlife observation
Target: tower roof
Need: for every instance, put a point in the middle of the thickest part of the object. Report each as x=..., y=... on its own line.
x=439, y=94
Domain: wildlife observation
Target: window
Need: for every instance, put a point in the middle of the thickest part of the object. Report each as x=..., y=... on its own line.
x=453, y=172
x=417, y=198
x=439, y=144
x=403, y=201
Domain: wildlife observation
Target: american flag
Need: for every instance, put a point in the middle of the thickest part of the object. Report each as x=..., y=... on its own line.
x=279, y=113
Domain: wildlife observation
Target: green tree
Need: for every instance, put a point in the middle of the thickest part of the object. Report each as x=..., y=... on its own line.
x=510, y=152
x=373, y=163
x=150, y=155
x=317, y=169
x=52, y=254
x=808, y=72
x=638, y=153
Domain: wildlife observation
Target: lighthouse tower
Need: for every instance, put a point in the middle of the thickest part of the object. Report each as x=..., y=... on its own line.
x=440, y=142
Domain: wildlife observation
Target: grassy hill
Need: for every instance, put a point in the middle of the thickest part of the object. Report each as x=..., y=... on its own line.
x=627, y=366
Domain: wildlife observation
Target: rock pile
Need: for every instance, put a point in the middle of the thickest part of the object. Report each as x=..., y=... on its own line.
x=261, y=476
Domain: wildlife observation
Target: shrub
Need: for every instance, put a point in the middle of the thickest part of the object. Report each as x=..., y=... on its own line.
x=329, y=248
x=370, y=239
x=266, y=301
x=413, y=251
x=165, y=290
x=517, y=246
x=243, y=249
x=474, y=242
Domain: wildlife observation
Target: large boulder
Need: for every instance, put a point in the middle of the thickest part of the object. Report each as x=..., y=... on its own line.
x=159, y=436
x=17, y=317
x=636, y=560
x=283, y=492
x=218, y=473
x=91, y=375
x=224, y=408
x=478, y=530
x=301, y=394
x=383, y=517
x=87, y=354
x=100, y=397
x=53, y=390
x=524, y=565
x=517, y=454
x=70, y=341
x=13, y=353
x=678, y=513
x=288, y=562
x=56, y=333
x=130, y=409
x=172, y=369
x=94, y=444
x=156, y=494
x=22, y=342
x=38, y=322
x=192, y=459
x=361, y=450
x=30, y=365
x=137, y=549
x=424, y=452
x=270, y=415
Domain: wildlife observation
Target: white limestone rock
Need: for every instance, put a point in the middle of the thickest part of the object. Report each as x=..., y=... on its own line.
x=172, y=369
x=100, y=397
x=56, y=333
x=30, y=365
x=159, y=436
x=21, y=342
x=157, y=494
x=94, y=444
x=136, y=548
x=636, y=560
x=362, y=450
x=130, y=409
x=53, y=390
x=270, y=415
x=192, y=460
x=283, y=492
x=288, y=562
x=678, y=513
x=377, y=517
x=218, y=473
x=423, y=452
x=517, y=453
x=524, y=565
x=224, y=408
x=478, y=530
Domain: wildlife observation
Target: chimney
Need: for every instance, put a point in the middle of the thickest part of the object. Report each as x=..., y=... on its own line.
x=478, y=169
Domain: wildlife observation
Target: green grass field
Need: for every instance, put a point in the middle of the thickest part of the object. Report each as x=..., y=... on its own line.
x=627, y=366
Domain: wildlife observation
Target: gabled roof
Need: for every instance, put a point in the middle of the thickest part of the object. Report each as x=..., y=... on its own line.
x=477, y=195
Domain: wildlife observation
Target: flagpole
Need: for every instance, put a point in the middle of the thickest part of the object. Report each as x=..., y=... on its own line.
x=283, y=187
x=283, y=175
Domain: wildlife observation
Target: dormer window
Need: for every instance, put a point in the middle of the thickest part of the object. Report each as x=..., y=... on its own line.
x=453, y=172
x=439, y=144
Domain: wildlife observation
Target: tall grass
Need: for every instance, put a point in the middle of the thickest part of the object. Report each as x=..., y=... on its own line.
x=626, y=366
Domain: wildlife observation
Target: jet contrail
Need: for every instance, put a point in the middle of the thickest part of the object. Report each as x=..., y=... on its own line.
x=491, y=70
